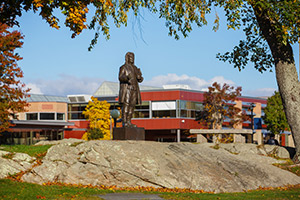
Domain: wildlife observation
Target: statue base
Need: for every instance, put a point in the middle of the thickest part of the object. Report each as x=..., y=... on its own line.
x=129, y=133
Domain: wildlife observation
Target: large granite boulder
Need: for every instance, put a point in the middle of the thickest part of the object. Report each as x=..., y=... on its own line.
x=230, y=168
x=14, y=163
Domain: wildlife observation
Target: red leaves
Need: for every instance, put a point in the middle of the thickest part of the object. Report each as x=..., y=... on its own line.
x=40, y=197
x=137, y=188
x=282, y=188
x=219, y=104
x=12, y=92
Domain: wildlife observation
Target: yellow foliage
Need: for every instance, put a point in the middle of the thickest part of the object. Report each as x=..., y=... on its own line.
x=97, y=112
x=85, y=136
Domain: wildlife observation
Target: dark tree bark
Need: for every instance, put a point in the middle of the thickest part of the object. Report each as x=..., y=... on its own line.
x=286, y=73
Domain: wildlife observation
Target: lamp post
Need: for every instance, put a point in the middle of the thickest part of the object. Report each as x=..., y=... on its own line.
x=252, y=106
x=115, y=113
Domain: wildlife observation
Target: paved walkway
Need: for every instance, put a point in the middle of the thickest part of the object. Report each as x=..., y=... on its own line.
x=130, y=196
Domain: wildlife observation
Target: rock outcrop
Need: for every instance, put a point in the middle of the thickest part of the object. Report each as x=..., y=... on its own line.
x=231, y=168
x=16, y=163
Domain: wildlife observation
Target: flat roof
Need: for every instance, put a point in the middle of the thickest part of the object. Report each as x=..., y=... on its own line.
x=46, y=98
x=42, y=123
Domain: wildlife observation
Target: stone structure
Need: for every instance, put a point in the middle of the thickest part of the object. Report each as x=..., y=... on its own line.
x=237, y=134
x=231, y=168
x=17, y=163
x=129, y=133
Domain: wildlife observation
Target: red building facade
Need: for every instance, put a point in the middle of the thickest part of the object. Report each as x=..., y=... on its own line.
x=166, y=114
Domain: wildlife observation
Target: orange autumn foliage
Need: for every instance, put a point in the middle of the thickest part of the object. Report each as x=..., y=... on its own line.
x=12, y=90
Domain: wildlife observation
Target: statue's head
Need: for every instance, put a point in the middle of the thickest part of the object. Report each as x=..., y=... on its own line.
x=129, y=58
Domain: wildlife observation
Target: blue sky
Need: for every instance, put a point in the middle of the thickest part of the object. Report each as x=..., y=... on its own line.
x=55, y=64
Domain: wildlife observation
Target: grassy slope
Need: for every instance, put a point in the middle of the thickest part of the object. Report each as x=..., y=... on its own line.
x=28, y=149
x=17, y=190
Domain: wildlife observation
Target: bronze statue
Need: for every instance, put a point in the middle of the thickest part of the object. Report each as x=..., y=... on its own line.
x=129, y=94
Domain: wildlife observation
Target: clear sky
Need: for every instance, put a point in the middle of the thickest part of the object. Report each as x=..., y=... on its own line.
x=55, y=64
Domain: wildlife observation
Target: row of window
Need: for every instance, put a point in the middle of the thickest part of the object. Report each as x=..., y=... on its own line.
x=45, y=116
x=163, y=109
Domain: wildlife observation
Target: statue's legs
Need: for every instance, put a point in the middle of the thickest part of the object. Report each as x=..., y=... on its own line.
x=125, y=113
x=132, y=102
x=128, y=107
x=130, y=114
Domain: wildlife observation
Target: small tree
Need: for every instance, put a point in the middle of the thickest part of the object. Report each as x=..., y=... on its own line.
x=275, y=118
x=219, y=104
x=97, y=112
x=12, y=92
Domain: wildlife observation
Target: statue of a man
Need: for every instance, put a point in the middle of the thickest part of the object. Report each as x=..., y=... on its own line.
x=129, y=94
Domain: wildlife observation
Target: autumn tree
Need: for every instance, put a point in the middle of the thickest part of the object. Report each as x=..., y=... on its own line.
x=275, y=118
x=12, y=90
x=97, y=112
x=218, y=104
x=270, y=28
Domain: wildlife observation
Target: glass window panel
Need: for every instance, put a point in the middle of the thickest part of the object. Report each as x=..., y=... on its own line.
x=74, y=107
x=145, y=103
x=189, y=105
x=164, y=105
x=193, y=114
x=81, y=116
x=198, y=106
x=82, y=107
x=183, y=113
x=164, y=114
x=47, y=116
x=31, y=116
x=182, y=104
x=145, y=107
x=141, y=114
x=76, y=115
x=60, y=116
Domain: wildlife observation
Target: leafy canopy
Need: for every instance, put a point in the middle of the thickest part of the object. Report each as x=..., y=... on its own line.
x=275, y=118
x=12, y=90
x=180, y=17
x=97, y=112
x=219, y=103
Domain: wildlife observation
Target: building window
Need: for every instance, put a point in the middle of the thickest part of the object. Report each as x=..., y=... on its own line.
x=47, y=116
x=163, y=109
x=75, y=116
x=75, y=111
x=187, y=109
x=164, y=114
x=142, y=110
x=31, y=116
x=60, y=116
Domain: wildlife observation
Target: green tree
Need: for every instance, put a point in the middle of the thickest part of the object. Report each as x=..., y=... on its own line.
x=12, y=90
x=275, y=118
x=219, y=104
x=270, y=27
x=94, y=134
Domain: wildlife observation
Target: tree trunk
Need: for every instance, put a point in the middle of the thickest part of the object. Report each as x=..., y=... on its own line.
x=286, y=73
x=289, y=88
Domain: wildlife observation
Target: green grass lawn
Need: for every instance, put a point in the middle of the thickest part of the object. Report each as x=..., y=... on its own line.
x=16, y=190
x=267, y=195
x=31, y=150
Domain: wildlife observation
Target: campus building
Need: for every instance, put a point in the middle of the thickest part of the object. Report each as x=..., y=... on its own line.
x=167, y=114
x=45, y=119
